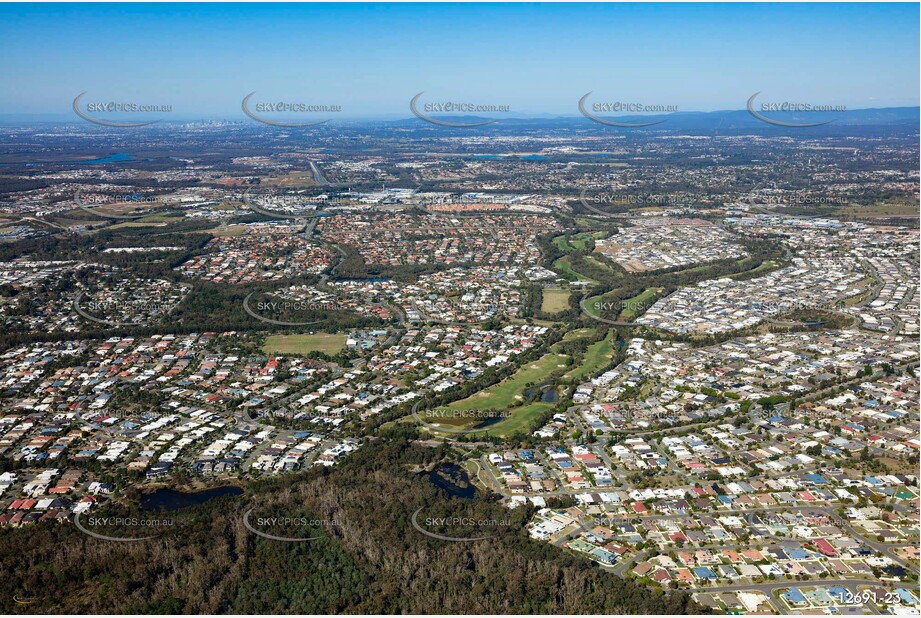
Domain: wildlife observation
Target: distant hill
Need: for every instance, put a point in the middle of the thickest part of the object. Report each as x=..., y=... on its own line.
x=728, y=121
x=699, y=122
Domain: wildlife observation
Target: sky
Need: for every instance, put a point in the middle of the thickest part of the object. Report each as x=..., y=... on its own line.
x=371, y=59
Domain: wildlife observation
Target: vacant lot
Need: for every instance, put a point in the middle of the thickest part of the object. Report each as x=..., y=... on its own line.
x=327, y=343
x=886, y=209
x=555, y=300
x=228, y=230
x=291, y=179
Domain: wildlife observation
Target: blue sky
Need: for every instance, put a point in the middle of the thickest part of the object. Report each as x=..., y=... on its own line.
x=537, y=58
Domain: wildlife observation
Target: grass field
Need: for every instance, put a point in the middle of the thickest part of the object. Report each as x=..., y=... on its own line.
x=128, y=209
x=577, y=241
x=638, y=305
x=532, y=321
x=580, y=241
x=327, y=343
x=566, y=270
x=864, y=284
x=522, y=419
x=508, y=392
x=890, y=209
x=705, y=267
x=160, y=220
x=601, y=312
x=562, y=244
x=506, y=395
x=291, y=179
x=762, y=268
x=577, y=334
x=597, y=356
x=227, y=230
x=590, y=303
x=554, y=300
x=600, y=264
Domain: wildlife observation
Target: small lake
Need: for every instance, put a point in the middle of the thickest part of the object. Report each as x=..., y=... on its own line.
x=453, y=480
x=172, y=500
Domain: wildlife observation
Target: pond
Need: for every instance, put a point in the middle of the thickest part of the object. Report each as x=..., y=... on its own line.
x=547, y=394
x=453, y=480
x=171, y=500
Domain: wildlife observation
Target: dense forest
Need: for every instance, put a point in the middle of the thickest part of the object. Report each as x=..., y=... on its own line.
x=368, y=559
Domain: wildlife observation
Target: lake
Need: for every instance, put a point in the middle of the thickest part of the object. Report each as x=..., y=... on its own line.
x=118, y=157
x=171, y=500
